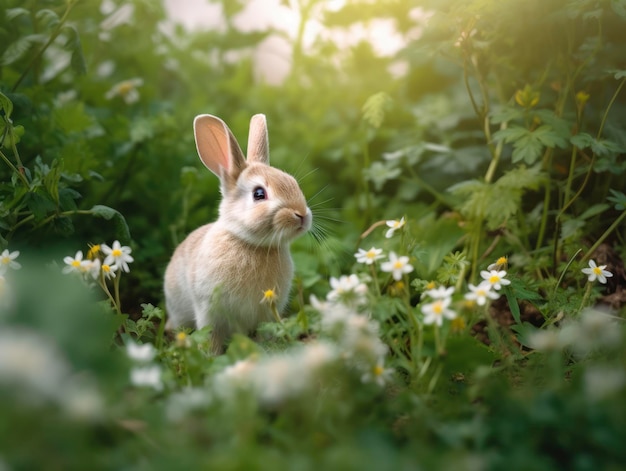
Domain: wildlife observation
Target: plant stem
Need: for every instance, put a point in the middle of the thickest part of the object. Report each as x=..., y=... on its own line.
x=375, y=278
x=15, y=169
x=105, y=288
x=116, y=287
x=611, y=228
x=608, y=108
x=586, y=296
x=438, y=348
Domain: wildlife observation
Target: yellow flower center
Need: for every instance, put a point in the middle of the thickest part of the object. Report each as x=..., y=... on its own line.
x=125, y=87
x=75, y=263
x=106, y=268
x=370, y=254
x=493, y=279
x=378, y=370
x=481, y=292
x=597, y=271
x=6, y=260
x=181, y=336
x=269, y=295
x=398, y=265
x=501, y=261
x=438, y=308
x=116, y=253
x=93, y=252
x=431, y=285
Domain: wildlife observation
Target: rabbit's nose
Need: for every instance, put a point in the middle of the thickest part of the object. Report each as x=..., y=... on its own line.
x=305, y=219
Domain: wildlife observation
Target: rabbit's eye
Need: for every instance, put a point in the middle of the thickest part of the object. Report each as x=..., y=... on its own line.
x=259, y=194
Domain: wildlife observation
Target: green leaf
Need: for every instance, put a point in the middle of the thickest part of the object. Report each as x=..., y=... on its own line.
x=375, y=108
x=619, y=74
x=619, y=7
x=13, y=13
x=73, y=44
x=618, y=198
x=47, y=18
x=593, y=211
x=497, y=202
x=582, y=140
x=513, y=305
x=19, y=48
x=528, y=145
x=505, y=114
x=40, y=204
x=6, y=105
x=121, y=227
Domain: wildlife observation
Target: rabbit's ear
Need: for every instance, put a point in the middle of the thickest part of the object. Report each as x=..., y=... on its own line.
x=217, y=147
x=258, y=142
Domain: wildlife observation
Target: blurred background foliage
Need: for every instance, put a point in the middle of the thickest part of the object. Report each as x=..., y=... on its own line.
x=497, y=128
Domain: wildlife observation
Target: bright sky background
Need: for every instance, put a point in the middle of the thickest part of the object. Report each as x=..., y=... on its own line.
x=273, y=55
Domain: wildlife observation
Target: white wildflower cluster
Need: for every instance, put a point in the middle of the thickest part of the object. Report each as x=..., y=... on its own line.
x=270, y=380
x=348, y=290
x=494, y=278
x=145, y=372
x=439, y=307
x=357, y=339
x=102, y=262
x=594, y=330
x=37, y=373
x=276, y=378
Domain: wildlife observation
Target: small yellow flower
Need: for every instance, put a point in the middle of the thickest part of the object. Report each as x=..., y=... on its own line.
x=501, y=264
x=182, y=340
x=431, y=285
x=269, y=296
x=94, y=251
x=527, y=97
x=582, y=97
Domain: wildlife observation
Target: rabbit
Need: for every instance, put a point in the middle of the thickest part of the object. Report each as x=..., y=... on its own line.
x=218, y=275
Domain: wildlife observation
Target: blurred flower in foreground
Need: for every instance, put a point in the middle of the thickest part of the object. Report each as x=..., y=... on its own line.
x=435, y=312
x=377, y=374
x=140, y=352
x=397, y=266
x=7, y=260
x=481, y=293
x=595, y=272
x=147, y=376
x=127, y=90
x=394, y=225
x=347, y=290
x=35, y=372
x=277, y=377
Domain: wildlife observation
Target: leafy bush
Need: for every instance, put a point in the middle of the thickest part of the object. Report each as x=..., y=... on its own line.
x=459, y=303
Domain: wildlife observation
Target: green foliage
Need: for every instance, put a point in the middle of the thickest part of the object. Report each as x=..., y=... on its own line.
x=496, y=142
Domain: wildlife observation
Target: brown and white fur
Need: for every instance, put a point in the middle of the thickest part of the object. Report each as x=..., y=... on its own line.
x=218, y=274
